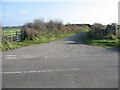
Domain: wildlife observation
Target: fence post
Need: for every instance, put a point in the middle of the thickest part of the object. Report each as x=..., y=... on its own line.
x=11, y=36
x=116, y=30
x=17, y=36
x=23, y=33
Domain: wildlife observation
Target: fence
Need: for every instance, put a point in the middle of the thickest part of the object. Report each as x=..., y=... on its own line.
x=12, y=35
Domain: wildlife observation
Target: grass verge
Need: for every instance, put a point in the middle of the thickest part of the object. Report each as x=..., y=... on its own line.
x=115, y=43
x=9, y=46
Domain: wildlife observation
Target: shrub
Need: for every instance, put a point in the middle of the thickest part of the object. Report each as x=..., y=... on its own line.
x=97, y=31
x=118, y=32
x=38, y=29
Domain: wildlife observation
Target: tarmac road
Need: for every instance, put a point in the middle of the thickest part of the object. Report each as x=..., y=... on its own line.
x=66, y=63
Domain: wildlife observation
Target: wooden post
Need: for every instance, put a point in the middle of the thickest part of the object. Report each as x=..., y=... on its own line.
x=23, y=32
x=17, y=36
x=116, y=29
x=11, y=36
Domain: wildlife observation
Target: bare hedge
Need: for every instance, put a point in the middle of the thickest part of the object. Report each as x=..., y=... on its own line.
x=39, y=28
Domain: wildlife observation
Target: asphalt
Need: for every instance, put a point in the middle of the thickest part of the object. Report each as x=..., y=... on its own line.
x=66, y=63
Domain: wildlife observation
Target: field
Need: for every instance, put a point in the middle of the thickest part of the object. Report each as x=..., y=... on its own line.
x=10, y=32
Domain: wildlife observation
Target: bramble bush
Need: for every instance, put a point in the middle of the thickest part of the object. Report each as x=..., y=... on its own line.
x=39, y=29
x=99, y=31
x=118, y=31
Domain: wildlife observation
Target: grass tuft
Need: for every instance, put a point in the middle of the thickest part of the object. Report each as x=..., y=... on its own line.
x=115, y=43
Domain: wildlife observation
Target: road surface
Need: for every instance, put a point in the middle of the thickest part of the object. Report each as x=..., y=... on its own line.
x=66, y=63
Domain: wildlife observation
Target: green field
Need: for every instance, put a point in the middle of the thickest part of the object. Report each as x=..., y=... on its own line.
x=11, y=29
x=10, y=32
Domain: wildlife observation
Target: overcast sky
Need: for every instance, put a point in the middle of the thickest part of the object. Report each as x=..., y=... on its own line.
x=18, y=12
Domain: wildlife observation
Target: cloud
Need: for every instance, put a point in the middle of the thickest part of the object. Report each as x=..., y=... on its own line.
x=24, y=12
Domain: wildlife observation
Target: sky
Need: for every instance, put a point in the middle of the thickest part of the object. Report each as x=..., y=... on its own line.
x=19, y=12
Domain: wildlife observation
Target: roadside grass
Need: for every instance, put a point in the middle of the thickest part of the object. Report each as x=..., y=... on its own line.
x=115, y=43
x=9, y=45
